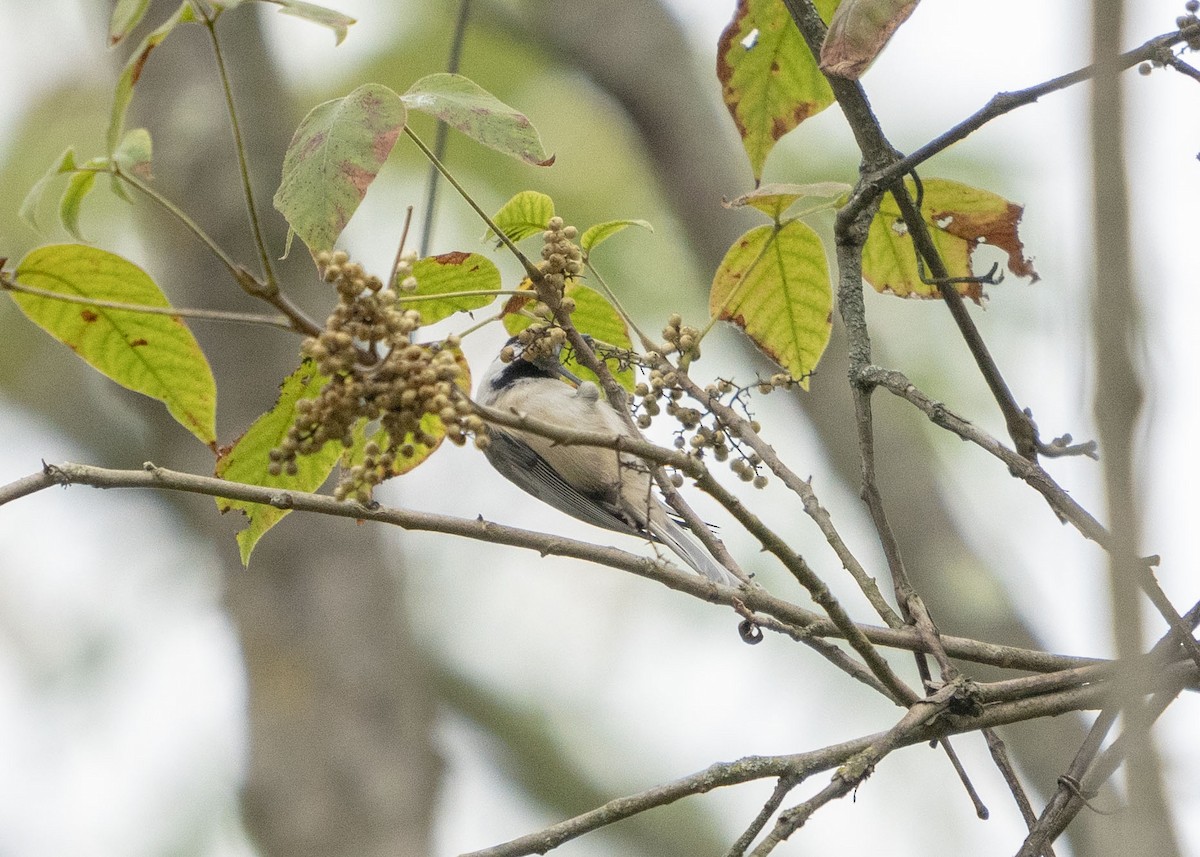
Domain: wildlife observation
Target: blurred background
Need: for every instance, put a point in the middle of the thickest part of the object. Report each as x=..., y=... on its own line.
x=364, y=691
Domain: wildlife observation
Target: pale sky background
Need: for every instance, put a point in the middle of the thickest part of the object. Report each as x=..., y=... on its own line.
x=144, y=753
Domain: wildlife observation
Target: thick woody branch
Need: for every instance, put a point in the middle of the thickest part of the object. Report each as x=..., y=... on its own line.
x=158, y=478
x=797, y=766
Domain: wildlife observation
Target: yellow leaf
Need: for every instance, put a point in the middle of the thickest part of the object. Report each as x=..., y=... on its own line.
x=774, y=284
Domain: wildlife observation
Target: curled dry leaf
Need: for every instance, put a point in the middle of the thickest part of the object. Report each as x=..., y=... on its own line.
x=858, y=32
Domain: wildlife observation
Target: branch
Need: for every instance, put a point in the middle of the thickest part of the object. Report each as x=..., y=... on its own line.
x=260, y=242
x=158, y=478
x=771, y=541
x=798, y=766
x=1037, y=478
x=1005, y=102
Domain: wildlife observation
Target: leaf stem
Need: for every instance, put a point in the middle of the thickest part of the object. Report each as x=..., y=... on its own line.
x=180, y=215
x=531, y=269
x=251, y=285
x=179, y=312
x=264, y=255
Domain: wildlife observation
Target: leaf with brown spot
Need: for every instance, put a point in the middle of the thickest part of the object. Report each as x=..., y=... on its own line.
x=858, y=33
x=123, y=93
x=155, y=355
x=439, y=277
x=774, y=284
x=333, y=158
x=959, y=217
x=467, y=107
x=769, y=79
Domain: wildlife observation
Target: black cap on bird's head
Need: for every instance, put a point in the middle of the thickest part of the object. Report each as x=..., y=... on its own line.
x=532, y=360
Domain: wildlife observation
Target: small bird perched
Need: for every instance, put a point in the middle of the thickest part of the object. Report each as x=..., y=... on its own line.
x=601, y=486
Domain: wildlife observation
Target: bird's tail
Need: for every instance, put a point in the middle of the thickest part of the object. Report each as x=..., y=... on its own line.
x=690, y=551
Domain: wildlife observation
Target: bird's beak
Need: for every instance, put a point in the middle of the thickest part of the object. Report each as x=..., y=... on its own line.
x=570, y=377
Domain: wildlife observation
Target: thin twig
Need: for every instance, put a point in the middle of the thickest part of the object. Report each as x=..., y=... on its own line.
x=799, y=765
x=999, y=755
x=770, y=807
x=154, y=477
x=1005, y=102
x=175, y=312
x=531, y=270
x=260, y=241
x=857, y=768
x=1041, y=481
x=443, y=130
x=250, y=284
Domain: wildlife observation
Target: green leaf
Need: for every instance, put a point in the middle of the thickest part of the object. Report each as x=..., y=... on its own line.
x=334, y=20
x=775, y=200
x=450, y=273
x=155, y=355
x=959, y=217
x=134, y=153
x=334, y=156
x=464, y=105
x=133, y=70
x=526, y=214
x=33, y=200
x=248, y=459
x=69, y=206
x=595, y=317
x=774, y=284
x=769, y=79
x=603, y=231
x=126, y=15
x=858, y=32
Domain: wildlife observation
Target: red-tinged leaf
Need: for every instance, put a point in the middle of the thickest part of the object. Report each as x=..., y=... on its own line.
x=464, y=105
x=774, y=284
x=769, y=79
x=333, y=158
x=133, y=70
x=155, y=355
x=959, y=217
x=858, y=33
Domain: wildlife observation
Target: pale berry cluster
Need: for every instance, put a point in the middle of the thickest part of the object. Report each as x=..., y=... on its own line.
x=561, y=256
x=699, y=431
x=375, y=373
x=561, y=260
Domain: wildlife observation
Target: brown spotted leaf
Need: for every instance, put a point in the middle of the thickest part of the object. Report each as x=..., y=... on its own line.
x=960, y=217
x=441, y=277
x=155, y=355
x=334, y=156
x=769, y=79
x=774, y=284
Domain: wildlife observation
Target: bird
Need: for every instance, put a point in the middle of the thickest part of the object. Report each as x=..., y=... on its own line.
x=601, y=486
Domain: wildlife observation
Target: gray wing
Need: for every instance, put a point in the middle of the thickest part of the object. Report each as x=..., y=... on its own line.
x=521, y=465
